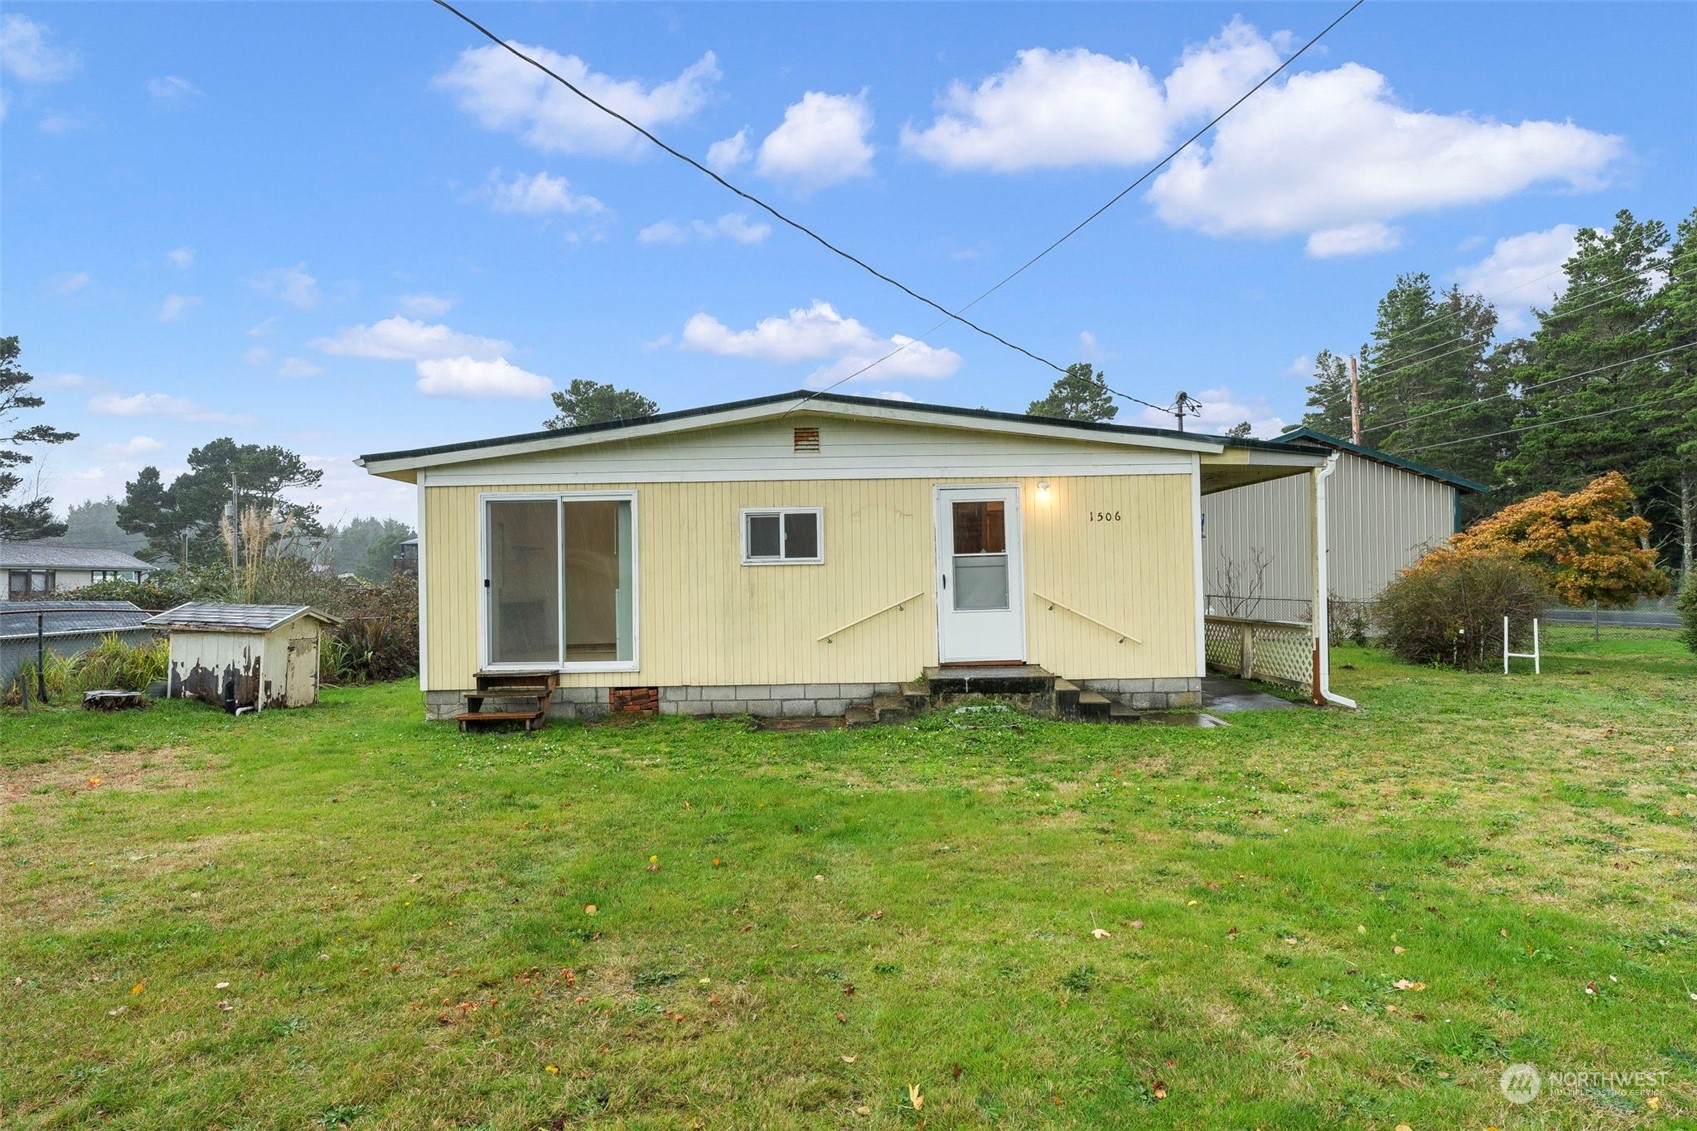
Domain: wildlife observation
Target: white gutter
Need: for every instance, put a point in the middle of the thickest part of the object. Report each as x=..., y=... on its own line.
x=1322, y=590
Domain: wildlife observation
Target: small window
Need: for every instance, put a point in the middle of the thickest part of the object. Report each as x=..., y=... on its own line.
x=791, y=536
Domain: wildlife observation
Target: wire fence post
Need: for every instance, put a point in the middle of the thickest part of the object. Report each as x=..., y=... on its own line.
x=41, y=657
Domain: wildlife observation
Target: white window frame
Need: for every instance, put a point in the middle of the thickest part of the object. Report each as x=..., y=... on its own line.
x=560, y=498
x=746, y=513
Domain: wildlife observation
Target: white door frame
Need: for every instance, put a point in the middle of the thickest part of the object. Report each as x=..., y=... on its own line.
x=943, y=523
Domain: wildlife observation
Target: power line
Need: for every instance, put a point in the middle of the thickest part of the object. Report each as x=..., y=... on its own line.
x=1524, y=389
x=1548, y=423
x=750, y=197
x=1117, y=197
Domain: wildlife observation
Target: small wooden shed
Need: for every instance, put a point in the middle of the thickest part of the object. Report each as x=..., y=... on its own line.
x=244, y=657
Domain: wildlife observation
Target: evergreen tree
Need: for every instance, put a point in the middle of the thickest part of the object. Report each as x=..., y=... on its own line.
x=1328, y=396
x=1674, y=336
x=590, y=402
x=33, y=518
x=1586, y=365
x=1079, y=394
x=191, y=508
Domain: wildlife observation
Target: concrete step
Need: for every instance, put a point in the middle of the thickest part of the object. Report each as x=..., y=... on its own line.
x=1066, y=699
x=856, y=717
x=1120, y=713
x=1094, y=705
x=891, y=708
x=917, y=694
x=989, y=679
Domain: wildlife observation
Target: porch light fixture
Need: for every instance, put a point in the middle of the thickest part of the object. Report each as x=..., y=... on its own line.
x=1043, y=487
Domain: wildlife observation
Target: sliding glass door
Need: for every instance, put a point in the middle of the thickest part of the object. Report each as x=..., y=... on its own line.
x=561, y=581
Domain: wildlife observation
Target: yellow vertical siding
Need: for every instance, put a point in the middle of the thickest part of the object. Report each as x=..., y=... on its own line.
x=706, y=619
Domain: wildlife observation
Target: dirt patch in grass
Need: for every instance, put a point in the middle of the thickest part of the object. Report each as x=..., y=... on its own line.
x=128, y=771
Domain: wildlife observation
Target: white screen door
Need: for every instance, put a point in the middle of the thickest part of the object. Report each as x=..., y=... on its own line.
x=980, y=585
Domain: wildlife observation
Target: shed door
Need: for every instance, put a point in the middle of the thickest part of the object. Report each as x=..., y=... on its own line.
x=980, y=579
x=300, y=677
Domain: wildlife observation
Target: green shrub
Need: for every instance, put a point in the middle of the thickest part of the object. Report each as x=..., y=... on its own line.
x=1688, y=610
x=1448, y=608
x=165, y=589
x=113, y=665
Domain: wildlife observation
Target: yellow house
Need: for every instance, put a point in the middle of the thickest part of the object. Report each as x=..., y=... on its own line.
x=800, y=553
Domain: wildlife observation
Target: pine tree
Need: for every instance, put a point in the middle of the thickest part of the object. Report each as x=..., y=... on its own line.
x=1328, y=396
x=1079, y=394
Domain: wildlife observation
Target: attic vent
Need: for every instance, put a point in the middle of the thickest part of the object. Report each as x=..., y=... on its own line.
x=807, y=439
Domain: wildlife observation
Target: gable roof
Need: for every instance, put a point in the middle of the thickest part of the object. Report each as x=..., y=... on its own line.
x=1300, y=436
x=47, y=555
x=215, y=616
x=398, y=463
x=18, y=618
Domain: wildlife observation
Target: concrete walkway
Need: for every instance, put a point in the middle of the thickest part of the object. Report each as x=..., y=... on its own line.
x=1222, y=696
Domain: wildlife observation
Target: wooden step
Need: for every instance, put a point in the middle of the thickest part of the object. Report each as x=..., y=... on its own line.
x=530, y=719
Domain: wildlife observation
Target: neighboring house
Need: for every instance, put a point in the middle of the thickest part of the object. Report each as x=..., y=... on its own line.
x=64, y=628
x=1383, y=513
x=32, y=570
x=795, y=553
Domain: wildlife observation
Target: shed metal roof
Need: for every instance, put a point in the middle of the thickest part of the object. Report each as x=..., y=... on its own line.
x=44, y=555
x=214, y=616
x=1312, y=436
x=18, y=618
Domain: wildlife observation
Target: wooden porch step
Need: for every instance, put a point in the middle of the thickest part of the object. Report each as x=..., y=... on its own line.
x=470, y=719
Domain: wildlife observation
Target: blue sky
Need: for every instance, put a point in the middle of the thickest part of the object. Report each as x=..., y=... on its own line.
x=356, y=227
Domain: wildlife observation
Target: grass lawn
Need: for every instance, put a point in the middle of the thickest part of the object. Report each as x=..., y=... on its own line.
x=1310, y=919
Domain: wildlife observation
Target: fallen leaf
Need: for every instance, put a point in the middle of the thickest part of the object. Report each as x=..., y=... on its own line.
x=1099, y=933
x=841, y=1020
x=914, y=1098
x=94, y=783
x=1360, y=929
x=818, y=879
x=717, y=863
x=222, y=986
x=862, y=1109
x=1396, y=950
x=1403, y=1127
x=1654, y=1103
x=955, y=1072
x=1137, y=924
x=589, y=909
x=877, y=914
x=138, y=987
x=1590, y=987
x=225, y=1006
x=1159, y=1091
x=849, y=1059
x=1503, y=932
x=1192, y=903
x=115, y=1012
x=654, y=860
x=552, y=1069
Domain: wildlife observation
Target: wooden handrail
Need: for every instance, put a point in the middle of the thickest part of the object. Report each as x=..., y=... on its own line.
x=901, y=605
x=1054, y=604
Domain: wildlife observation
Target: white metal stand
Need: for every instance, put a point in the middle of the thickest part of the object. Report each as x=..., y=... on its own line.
x=1535, y=655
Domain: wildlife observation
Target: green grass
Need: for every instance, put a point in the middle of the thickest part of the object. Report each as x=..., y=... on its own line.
x=399, y=911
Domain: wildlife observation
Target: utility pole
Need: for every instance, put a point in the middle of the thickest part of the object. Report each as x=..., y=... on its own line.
x=1354, y=403
x=235, y=523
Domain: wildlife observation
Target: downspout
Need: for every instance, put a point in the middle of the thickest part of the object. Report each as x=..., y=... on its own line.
x=1322, y=591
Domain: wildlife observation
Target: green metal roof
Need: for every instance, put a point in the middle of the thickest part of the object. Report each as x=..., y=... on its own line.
x=1297, y=435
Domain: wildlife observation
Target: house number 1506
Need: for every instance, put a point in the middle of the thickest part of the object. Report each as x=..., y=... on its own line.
x=1104, y=516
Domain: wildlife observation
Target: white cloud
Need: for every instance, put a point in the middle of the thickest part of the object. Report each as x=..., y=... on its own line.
x=734, y=226
x=260, y=329
x=132, y=448
x=472, y=377
x=505, y=93
x=171, y=90
x=256, y=355
x=175, y=306
x=160, y=404
x=66, y=381
x=404, y=339
x=1222, y=408
x=27, y=56
x=348, y=491
x=291, y=285
x=655, y=344
x=539, y=195
x=819, y=333
x=1329, y=154
x=727, y=153
x=893, y=395
x=1521, y=272
x=1333, y=154
x=1300, y=366
x=1050, y=109
x=427, y=306
x=1357, y=239
x=298, y=367
x=1089, y=349
x=72, y=283
x=821, y=142
x=60, y=124
x=182, y=258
